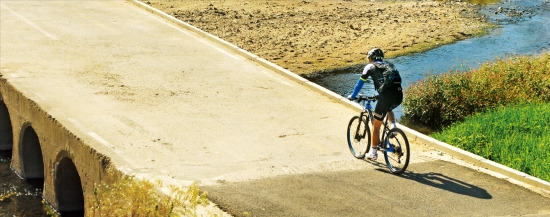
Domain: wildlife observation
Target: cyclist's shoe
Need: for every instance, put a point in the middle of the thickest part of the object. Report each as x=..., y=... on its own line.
x=373, y=154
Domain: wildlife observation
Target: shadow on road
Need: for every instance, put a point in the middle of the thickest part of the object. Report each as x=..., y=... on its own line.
x=444, y=182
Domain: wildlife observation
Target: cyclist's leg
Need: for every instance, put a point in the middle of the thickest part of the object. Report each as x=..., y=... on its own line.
x=376, y=133
x=380, y=111
x=391, y=117
x=373, y=154
x=382, y=107
x=397, y=99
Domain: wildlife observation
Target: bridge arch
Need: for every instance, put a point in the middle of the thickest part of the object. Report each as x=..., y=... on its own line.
x=68, y=187
x=30, y=153
x=6, y=132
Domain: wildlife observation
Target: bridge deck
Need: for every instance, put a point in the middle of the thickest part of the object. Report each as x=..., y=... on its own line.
x=167, y=100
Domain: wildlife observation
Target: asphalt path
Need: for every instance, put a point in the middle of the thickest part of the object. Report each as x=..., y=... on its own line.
x=173, y=105
x=434, y=188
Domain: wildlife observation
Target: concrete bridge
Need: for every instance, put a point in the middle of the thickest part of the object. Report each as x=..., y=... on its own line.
x=96, y=84
x=93, y=89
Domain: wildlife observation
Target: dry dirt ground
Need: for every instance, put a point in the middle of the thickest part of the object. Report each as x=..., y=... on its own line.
x=308, y=36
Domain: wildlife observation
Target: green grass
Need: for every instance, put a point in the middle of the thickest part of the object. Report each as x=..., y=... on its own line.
x=516, y=136
x=440, y=100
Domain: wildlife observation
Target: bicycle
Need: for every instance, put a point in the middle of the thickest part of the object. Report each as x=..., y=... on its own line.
x=395, y=145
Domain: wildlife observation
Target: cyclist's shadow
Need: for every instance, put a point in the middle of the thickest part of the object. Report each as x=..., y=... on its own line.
x=444, y=182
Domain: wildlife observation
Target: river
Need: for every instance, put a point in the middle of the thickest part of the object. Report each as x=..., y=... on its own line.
x=525, y=33
x=27, y=198
x=524, y=29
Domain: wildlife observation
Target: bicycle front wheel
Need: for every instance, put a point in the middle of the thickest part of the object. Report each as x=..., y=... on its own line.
x=397, y=152
x=358, y=136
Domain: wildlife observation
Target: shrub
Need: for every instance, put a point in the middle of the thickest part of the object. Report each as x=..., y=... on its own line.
x=440, y=100
x=132, y=197
x=516, y=136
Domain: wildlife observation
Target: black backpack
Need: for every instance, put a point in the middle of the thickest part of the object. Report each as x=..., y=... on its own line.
x=392, y=79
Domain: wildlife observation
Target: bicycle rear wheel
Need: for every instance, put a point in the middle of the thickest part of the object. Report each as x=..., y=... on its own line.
x=358, y=136
x=397, y=152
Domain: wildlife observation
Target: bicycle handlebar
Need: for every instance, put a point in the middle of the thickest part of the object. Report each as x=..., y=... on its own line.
x=362, y=98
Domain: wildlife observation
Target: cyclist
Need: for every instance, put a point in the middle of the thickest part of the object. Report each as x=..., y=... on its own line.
x=390, y=96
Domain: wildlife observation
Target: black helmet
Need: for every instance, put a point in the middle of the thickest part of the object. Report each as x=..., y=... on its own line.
x=375, y=54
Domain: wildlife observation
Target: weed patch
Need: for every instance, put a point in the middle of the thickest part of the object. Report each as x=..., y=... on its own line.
x=133, y=197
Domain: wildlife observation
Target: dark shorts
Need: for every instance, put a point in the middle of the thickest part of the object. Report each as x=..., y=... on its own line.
x=387, y=102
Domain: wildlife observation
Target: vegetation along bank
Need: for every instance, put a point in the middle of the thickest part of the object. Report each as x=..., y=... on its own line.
x=500, y=111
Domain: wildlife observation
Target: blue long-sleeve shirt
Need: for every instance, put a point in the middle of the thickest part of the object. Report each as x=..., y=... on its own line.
x=357, y=88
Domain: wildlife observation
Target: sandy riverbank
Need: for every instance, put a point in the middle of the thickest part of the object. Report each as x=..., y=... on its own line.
x=316, y=35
